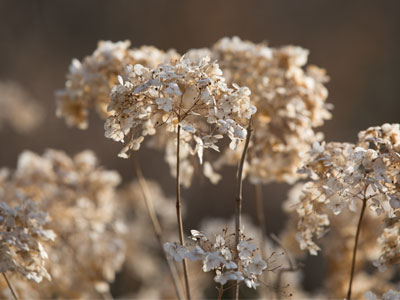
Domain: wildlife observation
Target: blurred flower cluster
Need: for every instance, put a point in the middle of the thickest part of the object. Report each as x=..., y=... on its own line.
x=19, y=110
x=290, y=101
x=78, y=198
x=21, y=238
x=89, y=82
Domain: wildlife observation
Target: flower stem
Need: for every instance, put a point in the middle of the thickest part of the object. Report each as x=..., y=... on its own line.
x=156, y=226
x=239, y=200
x=353, y=263
x=179, y=211
x=220, y=292
x=10, y=287
x=261, y=223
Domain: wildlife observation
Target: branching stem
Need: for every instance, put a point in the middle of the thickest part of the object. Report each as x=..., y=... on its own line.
x=239, y=200
x=10, y=287
x=353, y=263
x=179, y=210
x=220, y=292
x=157, y=227
x=261, y=221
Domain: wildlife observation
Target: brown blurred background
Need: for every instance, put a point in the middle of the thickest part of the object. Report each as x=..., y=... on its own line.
x=358, y=42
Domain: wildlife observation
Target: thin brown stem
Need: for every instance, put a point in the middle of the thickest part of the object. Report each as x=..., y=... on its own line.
x=239, y=200
x=220, y=292
x=179, y=210
x=261, y=222
x=10, y=287
x=353, y=262
x=157, y=227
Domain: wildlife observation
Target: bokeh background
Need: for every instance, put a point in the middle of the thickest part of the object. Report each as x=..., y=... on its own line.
x=358, y=42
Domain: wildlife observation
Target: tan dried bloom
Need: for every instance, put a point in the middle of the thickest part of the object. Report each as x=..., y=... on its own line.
x=79, y=197
x=344, y=176
x=290, y=101
x=337, y=244
x=217, y=255
x=22, y=233
x=179, y=94
x=89, y=82
x=19, y=109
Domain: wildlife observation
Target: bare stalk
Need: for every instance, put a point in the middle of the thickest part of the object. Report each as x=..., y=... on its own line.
x=239, y=200
x=157, y=227
x=10, y=287
x=220, y=292
x=261, y=222
x=353, y=263
x=179, y=211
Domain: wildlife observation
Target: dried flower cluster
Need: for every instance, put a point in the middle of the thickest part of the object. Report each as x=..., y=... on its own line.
x=344, y=176
x=19, y=109
x=337, y=244
x=78, y=195
x=22, y=233
x=178, y=94
x=89, y=82
x=290, y=103
x=218, y=255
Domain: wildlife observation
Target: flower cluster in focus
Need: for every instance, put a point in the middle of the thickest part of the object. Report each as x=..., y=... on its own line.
x=346, y=175
x=178, y=95
x=218, y=256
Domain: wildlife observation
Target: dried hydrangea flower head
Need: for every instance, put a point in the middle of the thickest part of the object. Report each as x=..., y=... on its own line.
x=344, y=176
x=279, y=280
x=89, y=82
x=337, y=245
x=22, y=233
x=218, y=255
x=18, y=109
x=79, y=196
x=290, y=101
x=178, y=94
